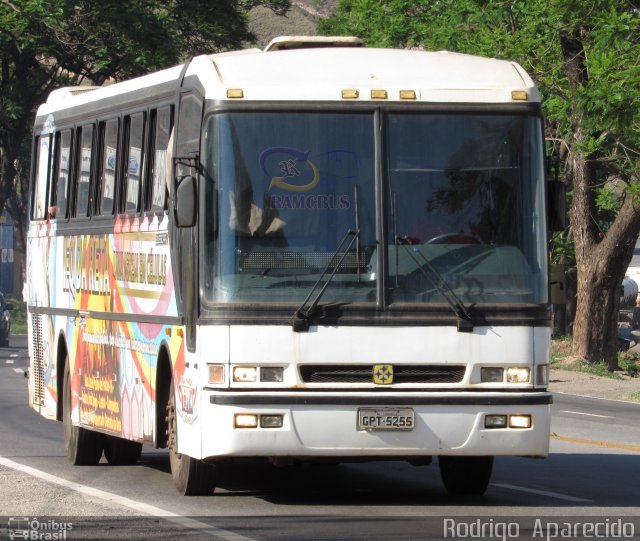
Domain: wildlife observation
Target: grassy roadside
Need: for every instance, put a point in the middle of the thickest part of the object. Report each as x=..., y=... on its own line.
x=630, y=397
x=562, y=358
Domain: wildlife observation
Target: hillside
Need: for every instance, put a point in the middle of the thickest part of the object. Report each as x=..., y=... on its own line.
x=301, y=20
x=317, y=8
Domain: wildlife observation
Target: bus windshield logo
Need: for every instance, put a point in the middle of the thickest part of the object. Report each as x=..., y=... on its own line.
x=291, y=165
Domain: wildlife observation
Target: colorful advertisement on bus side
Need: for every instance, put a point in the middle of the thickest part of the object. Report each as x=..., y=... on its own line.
x=114, y=282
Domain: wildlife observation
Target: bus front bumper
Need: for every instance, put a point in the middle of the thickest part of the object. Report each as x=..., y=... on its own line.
x=330, y=424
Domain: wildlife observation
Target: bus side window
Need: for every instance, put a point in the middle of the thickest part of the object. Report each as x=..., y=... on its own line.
x=83, y=177
x=108, y=164
x=160, y=155
x=42, y=174
x=134, y=170
x=60, y=196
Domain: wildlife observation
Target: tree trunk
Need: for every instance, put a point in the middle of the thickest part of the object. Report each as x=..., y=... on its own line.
x=601, y=258
x=7, y=174
x=601, y=268
x=595, y=329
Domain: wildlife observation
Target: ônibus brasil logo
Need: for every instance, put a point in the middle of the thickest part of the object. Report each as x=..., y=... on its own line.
x=38, y=530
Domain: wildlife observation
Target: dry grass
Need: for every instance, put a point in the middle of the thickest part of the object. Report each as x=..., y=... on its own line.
x=562, y=358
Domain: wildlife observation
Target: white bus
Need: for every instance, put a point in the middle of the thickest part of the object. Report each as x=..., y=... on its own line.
x=316, y=251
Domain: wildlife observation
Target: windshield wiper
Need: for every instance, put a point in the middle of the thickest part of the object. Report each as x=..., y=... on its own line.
x=465, y=323
x=301, y=319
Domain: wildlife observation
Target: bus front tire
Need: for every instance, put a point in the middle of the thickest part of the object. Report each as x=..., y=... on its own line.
x=191, y=477
x=121, y=452
x=466, y=475
x=83, y=447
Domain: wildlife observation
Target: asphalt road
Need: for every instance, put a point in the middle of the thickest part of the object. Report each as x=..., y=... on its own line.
x=593, y=474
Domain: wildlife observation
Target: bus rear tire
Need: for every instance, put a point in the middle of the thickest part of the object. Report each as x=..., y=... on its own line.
x=466, y=475
x=191, y=477
x=83, y=447
x=121, y=452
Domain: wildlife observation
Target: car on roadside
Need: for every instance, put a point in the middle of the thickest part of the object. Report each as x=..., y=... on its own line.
x=5, y=321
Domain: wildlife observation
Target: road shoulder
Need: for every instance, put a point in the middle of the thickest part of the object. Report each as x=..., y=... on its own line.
x=583, y=384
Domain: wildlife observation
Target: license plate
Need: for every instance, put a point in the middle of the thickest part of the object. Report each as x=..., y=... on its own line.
x=386, y=419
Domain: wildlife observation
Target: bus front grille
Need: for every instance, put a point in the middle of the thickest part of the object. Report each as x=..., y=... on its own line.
x=358, y=373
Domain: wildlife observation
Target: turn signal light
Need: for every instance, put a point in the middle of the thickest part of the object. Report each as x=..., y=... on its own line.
x=216, y=373
x=379, y=94
x=235, y=93
x=542, y=374
x=350, y=94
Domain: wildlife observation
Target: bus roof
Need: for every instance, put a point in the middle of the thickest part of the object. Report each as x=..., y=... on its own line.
x=322, y=74
x=340, y=72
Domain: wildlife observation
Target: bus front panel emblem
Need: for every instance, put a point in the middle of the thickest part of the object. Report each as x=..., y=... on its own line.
x=382, y=374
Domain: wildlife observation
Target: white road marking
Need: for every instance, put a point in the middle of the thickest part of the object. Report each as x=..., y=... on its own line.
x=587, y=414
x=13, y=355
x=541, y=492
x=9, y=361
x=18, y=370
x=174, y=518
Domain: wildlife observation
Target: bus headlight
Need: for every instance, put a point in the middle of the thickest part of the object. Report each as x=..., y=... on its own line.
x=272, y=374
x=518, y=375
x=491, y=374
x=245, y=374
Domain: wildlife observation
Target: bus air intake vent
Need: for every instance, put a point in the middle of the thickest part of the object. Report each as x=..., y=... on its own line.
x=38, y=359
x=358, y=373
x=282, y=43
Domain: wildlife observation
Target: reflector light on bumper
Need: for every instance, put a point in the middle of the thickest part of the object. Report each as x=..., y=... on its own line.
x=514, y=421
x=253, y=420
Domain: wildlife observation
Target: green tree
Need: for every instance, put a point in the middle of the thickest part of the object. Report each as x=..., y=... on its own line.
x=45, y=44
x=585, y=58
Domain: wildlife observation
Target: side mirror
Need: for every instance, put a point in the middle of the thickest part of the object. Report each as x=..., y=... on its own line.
x=557, y=205
x=557, y=284
x=186, y=201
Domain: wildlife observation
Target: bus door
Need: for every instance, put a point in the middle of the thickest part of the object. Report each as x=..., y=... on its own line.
x=185, y=239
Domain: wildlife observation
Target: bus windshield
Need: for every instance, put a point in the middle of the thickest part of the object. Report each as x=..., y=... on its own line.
x=463, y=198
x=289, y=187
x=465, y=194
